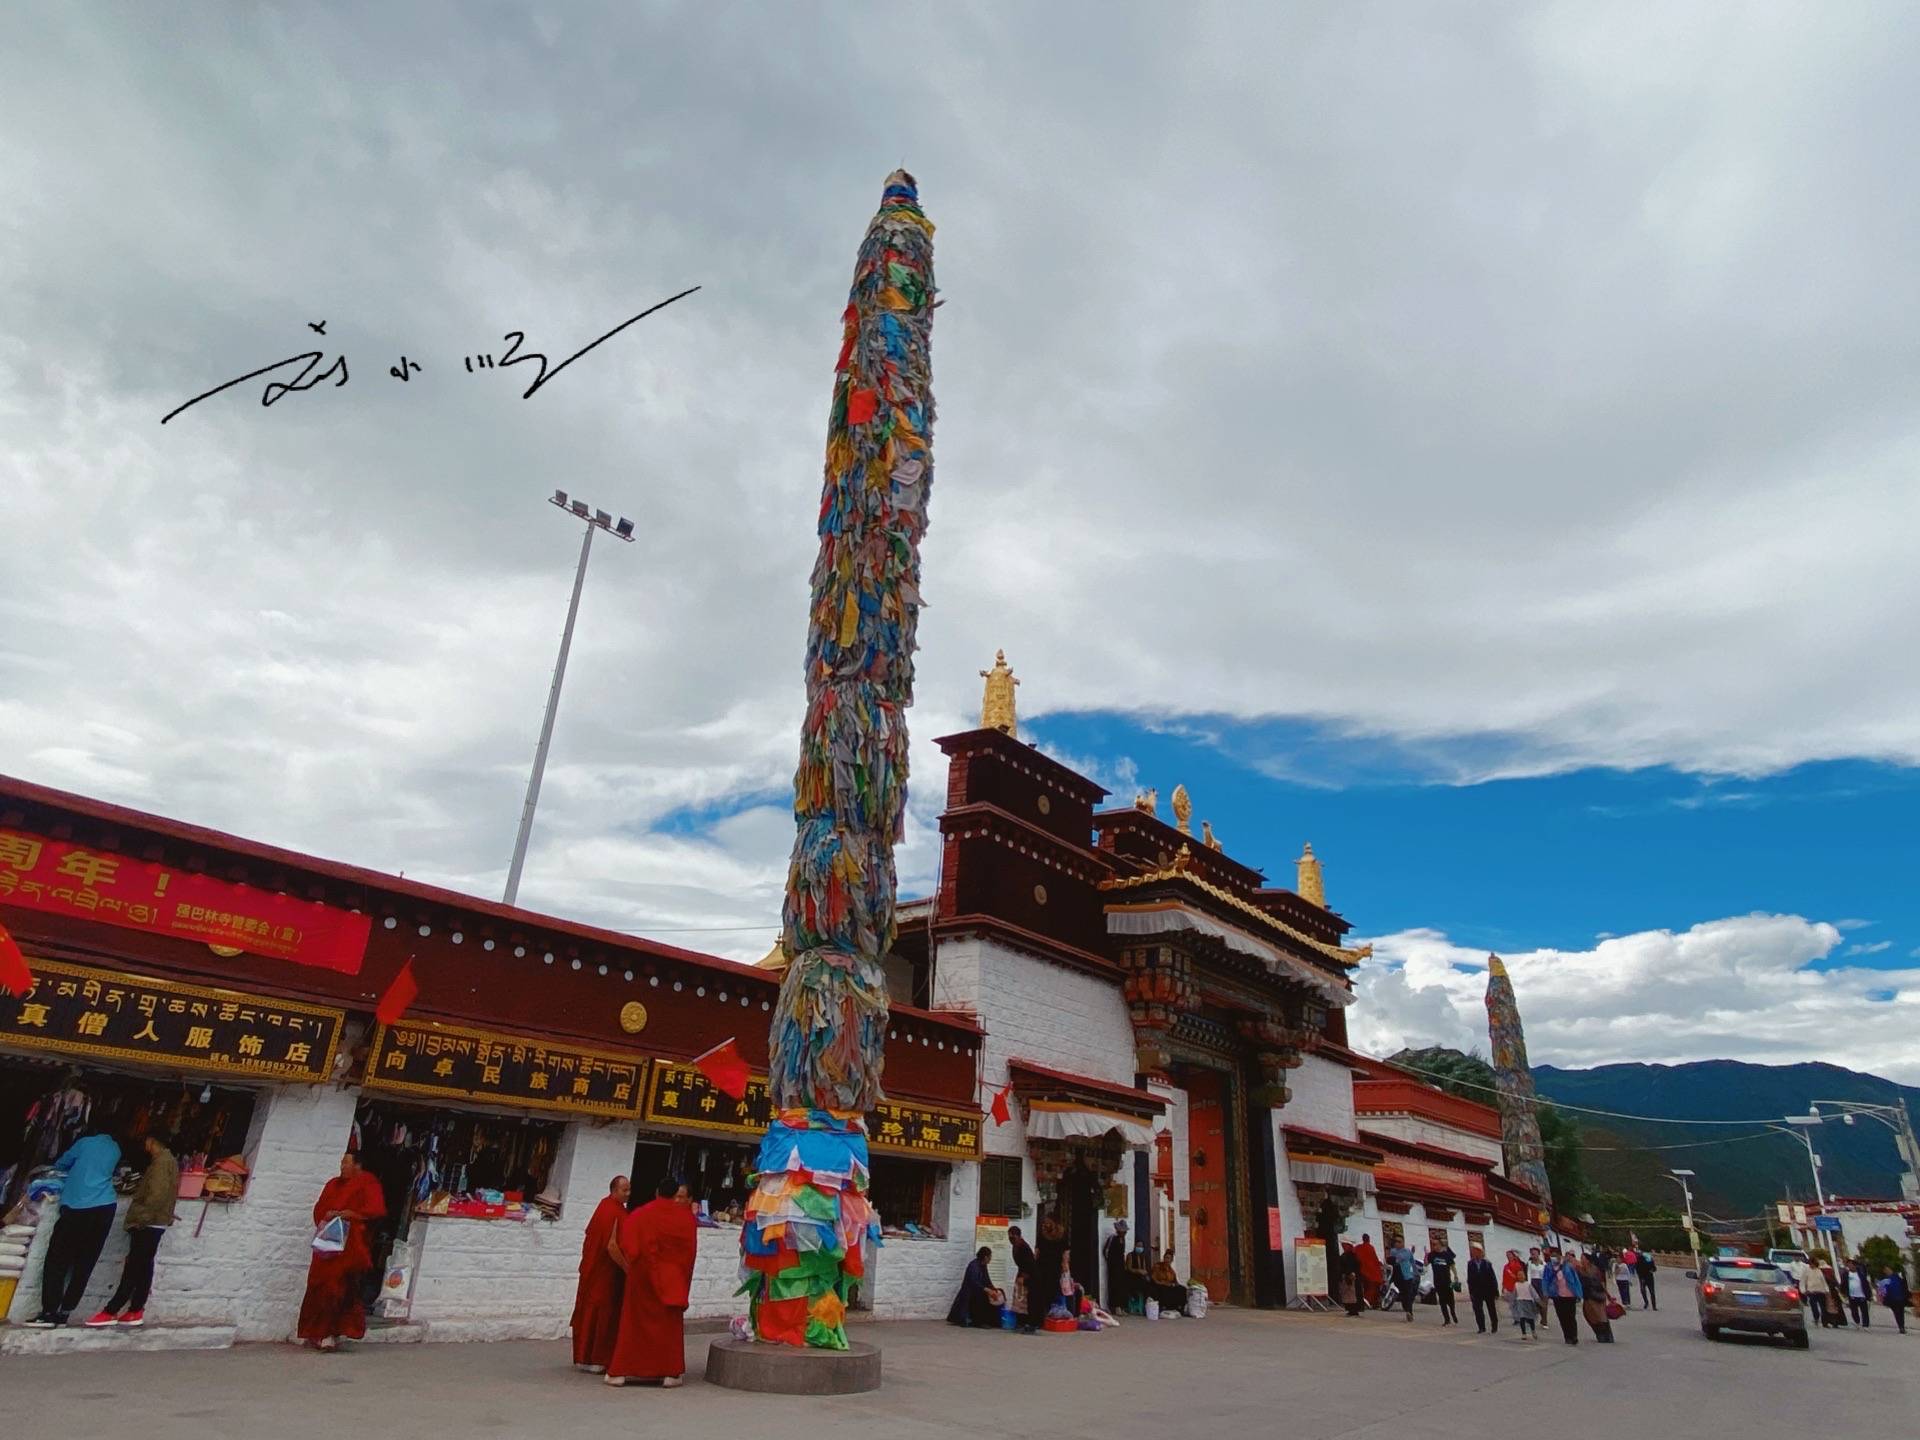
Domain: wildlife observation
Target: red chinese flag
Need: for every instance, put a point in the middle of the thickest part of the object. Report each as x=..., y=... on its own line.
x=402, y=991
x=1000, y=1112
x=724, y=1067
x=14, y=974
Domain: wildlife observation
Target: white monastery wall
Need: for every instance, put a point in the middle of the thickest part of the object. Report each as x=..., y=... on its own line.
x=1427, y=1132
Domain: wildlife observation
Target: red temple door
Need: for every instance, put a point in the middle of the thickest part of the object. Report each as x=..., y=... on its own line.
x=1207, y=1179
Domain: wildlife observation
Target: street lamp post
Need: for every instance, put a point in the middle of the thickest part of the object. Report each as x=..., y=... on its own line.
x=1680, y=1178
x=623, y=530
x=1798, y=1126
x=1895, y=1118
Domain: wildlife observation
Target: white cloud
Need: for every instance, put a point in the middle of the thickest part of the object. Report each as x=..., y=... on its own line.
x=1426, y=376
x=1742, y=988
x=1864, y=949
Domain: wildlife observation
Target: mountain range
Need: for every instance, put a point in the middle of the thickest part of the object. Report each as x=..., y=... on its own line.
x=1659, y=1118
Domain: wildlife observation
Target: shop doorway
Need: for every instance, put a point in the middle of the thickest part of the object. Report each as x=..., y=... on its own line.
x=1083, y=1199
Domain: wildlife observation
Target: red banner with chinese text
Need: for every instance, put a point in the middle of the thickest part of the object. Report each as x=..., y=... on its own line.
x=37, y=873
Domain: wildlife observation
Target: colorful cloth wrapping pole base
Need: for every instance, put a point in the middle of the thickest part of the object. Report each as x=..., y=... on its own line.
x=808, y=1231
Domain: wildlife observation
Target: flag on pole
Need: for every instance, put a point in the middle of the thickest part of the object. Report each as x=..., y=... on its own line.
x=724, y=1067
x=14, y=974
x=402, y=991
x=1000, y=1111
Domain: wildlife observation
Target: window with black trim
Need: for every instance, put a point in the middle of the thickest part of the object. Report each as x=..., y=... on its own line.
x=1001, y=1191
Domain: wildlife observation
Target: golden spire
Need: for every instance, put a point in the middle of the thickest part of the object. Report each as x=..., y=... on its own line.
x=1311, y=886
x=1207, y=837
x=776, y=958
x=996, y=703
x=1182, y=809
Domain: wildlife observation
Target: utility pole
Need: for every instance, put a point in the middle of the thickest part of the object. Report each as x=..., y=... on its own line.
x=1896, y=1118
x=1681, y=1178
x=595, y=520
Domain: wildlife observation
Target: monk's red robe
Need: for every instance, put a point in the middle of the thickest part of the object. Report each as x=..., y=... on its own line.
x=660, y=1241
x=596, y=1306
x=332, y=1308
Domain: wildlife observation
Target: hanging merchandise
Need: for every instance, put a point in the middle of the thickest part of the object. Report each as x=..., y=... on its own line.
x=808, y=1228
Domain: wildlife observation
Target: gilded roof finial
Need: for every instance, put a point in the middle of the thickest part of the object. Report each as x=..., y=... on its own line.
x=776, y=958
x=1311, y=887
x=1184, y=860
x=1147, y=800
x=996, y=703
x=1207, y=836
x=1182, y=809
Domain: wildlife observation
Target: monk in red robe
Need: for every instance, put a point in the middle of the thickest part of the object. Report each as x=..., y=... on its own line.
x=1371, y=1271
x=332, y=1310
x=596, y=1305
x=655, y=1245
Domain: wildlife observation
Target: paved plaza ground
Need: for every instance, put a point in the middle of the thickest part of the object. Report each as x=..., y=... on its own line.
x=1235, y=1373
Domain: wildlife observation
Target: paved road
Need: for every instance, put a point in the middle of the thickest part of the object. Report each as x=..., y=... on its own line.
x=1234, y=1373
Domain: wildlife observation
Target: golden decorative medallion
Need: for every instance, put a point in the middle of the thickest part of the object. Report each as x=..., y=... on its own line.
x=633, y=1017
x=1046, y=805
x=225, y=952
x=1040, y=894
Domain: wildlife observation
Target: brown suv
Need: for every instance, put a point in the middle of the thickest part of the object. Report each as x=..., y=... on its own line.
x=1742, y=1294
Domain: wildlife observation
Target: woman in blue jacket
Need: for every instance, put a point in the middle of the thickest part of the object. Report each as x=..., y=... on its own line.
x=1560, y=1284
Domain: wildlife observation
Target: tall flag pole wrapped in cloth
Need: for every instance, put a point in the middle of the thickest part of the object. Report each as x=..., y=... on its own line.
x=809, y=1232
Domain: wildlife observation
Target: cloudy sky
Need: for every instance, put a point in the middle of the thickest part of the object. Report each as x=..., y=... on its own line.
x=1480, y=439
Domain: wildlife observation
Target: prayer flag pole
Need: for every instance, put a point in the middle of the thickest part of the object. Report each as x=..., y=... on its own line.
x=808, y=1231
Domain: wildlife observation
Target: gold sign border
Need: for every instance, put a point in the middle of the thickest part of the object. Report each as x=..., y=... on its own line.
x=643, y=1094
x=42, y=967
x=943, y=1152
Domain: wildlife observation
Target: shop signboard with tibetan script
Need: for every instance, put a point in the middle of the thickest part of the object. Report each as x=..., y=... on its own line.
x=38, y=873
x=683, y=1097
x=512, y=1071
x=73, y=1010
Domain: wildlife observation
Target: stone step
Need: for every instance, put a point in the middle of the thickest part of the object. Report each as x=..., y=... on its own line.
x=76, y=1339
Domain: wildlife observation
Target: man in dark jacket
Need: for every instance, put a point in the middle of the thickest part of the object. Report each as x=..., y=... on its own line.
x=148, y=1215
x=1644, y=1267
x=1043, y=1283
x=1895, y=1294
x=1115, y=1254
x=1483, y=1289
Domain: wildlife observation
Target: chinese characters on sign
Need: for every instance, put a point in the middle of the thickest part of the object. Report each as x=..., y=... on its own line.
x=477, y=1065
x=682, y=1096
x=37, y=873
x=76, y=1011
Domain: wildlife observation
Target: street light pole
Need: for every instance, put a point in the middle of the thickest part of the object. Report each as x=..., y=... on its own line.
x=595, y=520
x=1680, y=1178
x=1904, y=1142
x=1797, y=1126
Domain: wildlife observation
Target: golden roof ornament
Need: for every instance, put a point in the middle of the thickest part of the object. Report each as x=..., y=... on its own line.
x=1207, y=836
x=1147, y=800
x=1184, y=860
x=996, y=701
x=776, y=958
x=1311, y=886
x=1182, y=809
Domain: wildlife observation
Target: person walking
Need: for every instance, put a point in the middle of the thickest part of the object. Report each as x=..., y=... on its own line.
x=1523, y=1302
x=1347, y=1284
x=1560, y=1284
x=332, y=1310
x=1623, y=1277
x=1372, y=1273
x=86, y=1219
x=1813, y=1287
x=1442, y=1261
x=1595, y=1298
x=1483, y=1291
x=149, y=1214
x=1836, y=1307
x=1643, y=1268
x=1895, y=1294
x=1860, y=1294
x=1406, y=1277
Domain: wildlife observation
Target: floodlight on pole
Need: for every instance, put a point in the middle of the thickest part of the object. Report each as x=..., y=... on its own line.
x=1798, y=1126
x=595, y=520
x=1897, y=1119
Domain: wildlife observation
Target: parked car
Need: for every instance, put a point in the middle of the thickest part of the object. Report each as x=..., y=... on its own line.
x=1787, y=1258
x=1754, y=1296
